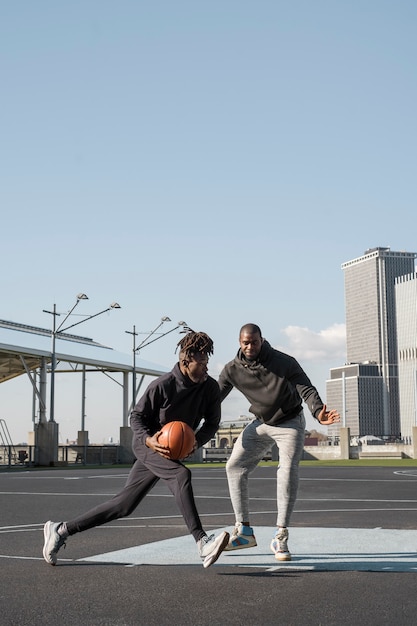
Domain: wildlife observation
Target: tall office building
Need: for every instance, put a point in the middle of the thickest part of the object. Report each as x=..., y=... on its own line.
x=406, y=301
x=365, y=390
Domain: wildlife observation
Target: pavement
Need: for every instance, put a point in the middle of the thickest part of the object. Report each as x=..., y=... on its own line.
x=353, y=539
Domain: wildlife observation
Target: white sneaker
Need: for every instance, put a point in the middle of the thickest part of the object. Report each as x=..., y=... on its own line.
x=210, y=548
x=279, y=545
x=53, y=542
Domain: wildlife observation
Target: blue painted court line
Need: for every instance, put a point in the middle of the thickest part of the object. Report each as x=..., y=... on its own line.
x=325, y=549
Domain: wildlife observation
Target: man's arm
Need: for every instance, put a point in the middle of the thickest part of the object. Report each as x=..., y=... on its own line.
x=224, y=384
x=299, y=379
x=311, y=397
x=212, y=416
x=144, y=420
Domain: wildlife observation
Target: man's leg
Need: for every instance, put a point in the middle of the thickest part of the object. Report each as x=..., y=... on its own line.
x=147, y=470
x=139, y=482
x=289, y=438
x=178, y=479
x=250, y=447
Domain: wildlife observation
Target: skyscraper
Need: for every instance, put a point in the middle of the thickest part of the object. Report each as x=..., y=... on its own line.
x=406, y=304
x=365, y=390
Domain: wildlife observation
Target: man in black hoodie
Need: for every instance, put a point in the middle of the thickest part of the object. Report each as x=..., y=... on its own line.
x=188, y=394
x=275, y=384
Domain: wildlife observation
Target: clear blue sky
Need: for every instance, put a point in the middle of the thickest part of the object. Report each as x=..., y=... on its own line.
x=215, y=162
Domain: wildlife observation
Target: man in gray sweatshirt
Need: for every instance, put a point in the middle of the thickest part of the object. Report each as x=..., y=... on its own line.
x=276, y=385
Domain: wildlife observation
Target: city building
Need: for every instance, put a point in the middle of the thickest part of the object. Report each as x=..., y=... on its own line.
x=366, y=389
x=406, y=303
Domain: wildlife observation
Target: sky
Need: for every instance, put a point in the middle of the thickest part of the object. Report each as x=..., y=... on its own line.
x=214, y=162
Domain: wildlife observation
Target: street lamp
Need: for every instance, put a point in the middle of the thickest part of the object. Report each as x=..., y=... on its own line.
x=135, y=349
x=185, y=329
x=134, y=334
x=145, y=343
x=81, y=296
x=113, y=305
x=57, y=331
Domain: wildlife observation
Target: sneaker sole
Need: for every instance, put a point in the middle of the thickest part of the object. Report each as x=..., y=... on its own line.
x=46, y=534
x=282, y=556
x=213, y=558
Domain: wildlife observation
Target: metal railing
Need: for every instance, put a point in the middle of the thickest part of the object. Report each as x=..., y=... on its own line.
x=6, y=443
x=24, y=455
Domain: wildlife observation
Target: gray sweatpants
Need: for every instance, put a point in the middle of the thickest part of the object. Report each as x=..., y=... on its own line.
x=250, y=447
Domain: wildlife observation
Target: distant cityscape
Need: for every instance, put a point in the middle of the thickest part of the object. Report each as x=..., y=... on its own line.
x=375, y=391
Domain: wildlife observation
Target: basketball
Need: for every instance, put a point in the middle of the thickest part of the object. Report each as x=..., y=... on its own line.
x=179, y=438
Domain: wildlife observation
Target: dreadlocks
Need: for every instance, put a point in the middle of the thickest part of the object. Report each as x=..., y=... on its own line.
x=194, y=342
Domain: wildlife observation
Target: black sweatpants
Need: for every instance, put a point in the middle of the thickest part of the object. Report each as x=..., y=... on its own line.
x=148, y=468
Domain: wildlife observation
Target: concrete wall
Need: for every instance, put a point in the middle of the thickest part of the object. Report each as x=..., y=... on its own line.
x=355, y=452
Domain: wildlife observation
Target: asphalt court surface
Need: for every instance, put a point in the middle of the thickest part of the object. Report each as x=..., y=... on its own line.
x=353, y=538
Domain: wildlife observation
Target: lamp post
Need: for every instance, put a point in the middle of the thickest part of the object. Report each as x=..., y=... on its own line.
x=113, y=305
x=145, y=343
x=134, y=334
x=59, y=330
x=135, y=349
x=185, y=329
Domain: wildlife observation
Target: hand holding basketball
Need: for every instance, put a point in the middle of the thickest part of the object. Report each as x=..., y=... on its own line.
x=178, y=438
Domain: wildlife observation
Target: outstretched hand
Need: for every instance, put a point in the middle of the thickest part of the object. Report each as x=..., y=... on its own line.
x=328, y=417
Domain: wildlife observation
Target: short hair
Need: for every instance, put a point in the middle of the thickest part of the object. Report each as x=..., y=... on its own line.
x=195, y=342
x=250, y=328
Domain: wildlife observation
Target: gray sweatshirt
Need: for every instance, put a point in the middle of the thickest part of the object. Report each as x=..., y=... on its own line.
x=275, y=384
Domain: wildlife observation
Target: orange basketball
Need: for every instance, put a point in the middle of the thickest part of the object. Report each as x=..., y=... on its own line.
x=179, y=438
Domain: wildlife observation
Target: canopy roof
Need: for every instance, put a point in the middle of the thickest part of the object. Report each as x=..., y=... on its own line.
x=23, y=347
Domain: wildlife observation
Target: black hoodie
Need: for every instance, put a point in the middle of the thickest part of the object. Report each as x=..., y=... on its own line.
x=174, y=396
x=275, y=384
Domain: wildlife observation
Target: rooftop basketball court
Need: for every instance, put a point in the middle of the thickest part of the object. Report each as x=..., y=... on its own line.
x=353, y=539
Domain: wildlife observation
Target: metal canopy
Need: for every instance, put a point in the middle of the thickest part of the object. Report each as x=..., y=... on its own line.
x=23, y=348
x=29, y=350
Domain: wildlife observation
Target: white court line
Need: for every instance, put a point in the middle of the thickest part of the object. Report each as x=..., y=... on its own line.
x=406, y=473
x=121, y=522
x=211, y=497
